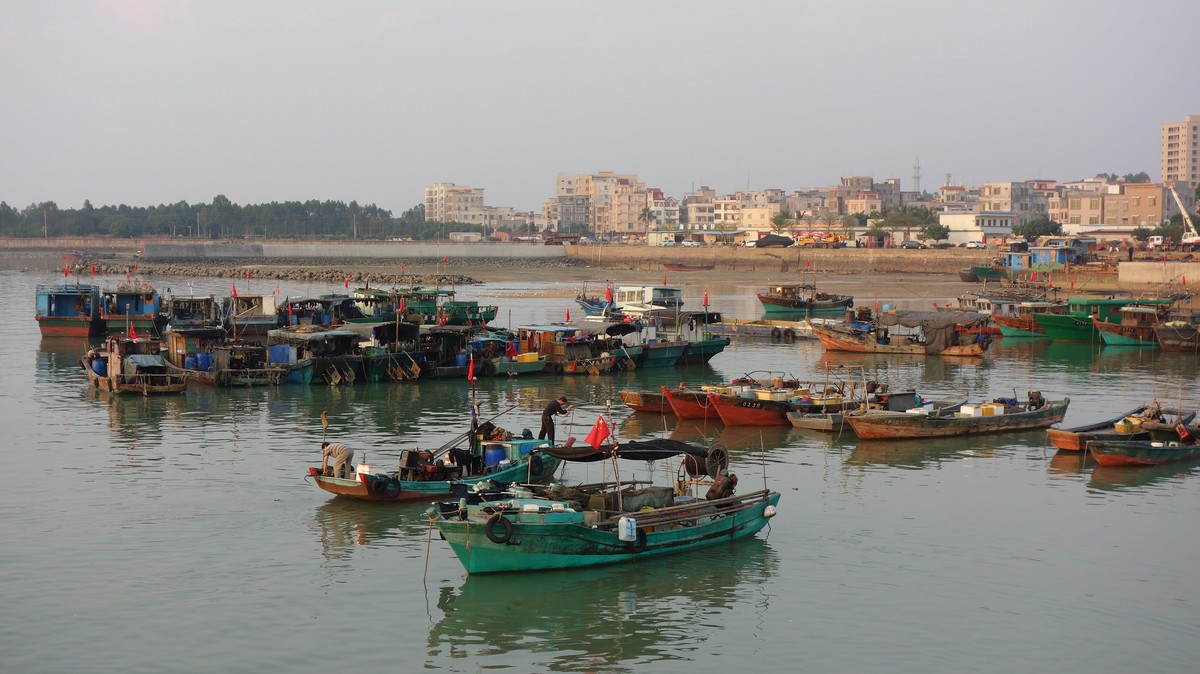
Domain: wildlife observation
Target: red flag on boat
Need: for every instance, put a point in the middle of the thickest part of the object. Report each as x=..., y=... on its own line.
x=1072, y=284
x=1050, y=280
x=607, y=291
x=289, y=312
x=132, y=332
x=598, y=434
x=66, y=270
x=568, y=314
x=93, y=270
x=401, y=311
x=277, y=287
x=664, y=279
x=1035, y=277
x=471, y=369
x=705, y=299
x=235, y=289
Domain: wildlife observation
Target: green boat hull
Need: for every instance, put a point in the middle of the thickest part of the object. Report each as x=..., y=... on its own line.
x=516, y=367
x=662, y=356
x=559, y=540
x=1113, y=339
x=703, y=351
x=1017, y=332
x=989, y=273
x=1068, y=327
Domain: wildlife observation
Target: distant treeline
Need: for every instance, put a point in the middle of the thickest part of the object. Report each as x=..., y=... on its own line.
x=223, y=219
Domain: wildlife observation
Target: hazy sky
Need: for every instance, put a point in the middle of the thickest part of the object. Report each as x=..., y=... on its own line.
x=141, y=103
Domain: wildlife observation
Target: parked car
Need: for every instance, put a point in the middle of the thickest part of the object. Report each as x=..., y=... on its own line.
x=909, y=243
x=750, y=244
x=667, y=242
x=691, y=243
x=976, y=244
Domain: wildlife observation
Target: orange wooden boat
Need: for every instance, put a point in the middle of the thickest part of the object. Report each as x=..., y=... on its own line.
x=646, y=401
x=689, y=404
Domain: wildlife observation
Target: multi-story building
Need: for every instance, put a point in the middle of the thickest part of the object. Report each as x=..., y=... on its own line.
x=863, y=202
x=1181, y=152
x=696, y=210
x=1142, y=204
x=727, y=213
x=1076, y=207
x=599, y=189
x=629, y=212
x=447, y=202
x=664, y=209
x=1017, y=198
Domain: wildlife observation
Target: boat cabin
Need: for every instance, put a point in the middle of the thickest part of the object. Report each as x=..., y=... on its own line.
x=1052, y=252
x=653, y=296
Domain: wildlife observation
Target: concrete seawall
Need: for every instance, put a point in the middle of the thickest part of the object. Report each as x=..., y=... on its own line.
x=826, y=261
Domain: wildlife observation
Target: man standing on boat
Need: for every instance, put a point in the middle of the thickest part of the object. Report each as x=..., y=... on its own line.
x=555, y=407
x=341, y=455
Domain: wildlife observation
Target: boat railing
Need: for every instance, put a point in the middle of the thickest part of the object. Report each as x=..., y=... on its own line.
x=670, y=514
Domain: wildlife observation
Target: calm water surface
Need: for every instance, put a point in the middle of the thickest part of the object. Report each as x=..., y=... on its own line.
x=179, y=534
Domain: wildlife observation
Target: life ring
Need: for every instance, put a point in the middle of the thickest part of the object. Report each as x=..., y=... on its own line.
x=639, y=541
x=505, y=525
x=535, y=464
x=789, y=334
x=486, y=368
x=776, y=333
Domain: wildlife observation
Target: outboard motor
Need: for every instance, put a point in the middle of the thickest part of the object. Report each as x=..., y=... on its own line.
x=722, y=487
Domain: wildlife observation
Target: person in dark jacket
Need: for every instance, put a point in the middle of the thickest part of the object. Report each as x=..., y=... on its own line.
x=555, y=407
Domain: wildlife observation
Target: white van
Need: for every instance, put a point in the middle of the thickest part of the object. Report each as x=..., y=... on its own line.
x=1154, y=242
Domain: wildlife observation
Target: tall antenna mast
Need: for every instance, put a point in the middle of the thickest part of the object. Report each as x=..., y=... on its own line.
x=917, y=176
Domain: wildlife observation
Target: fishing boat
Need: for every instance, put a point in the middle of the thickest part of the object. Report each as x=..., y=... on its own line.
x=679, y=266
x=1020, y=322
x=185, y=312
x=968, y=275
x=430, y=306
x=1135, y=328
x=691, y=404
x=762, y=406
x=134, y=306
x=569, y=349
x=518, y=529
x=333, y=353
x=132, y=365
x=933, y=333
x=250, y=316
x=1142, y=452
x=491, y=454
x=646, y=401
x=935, y=420
x=1076, y=438
x=1079, y=323
x=1178, y=335
x=801, y=298
x=878, y=398
x=68, y=310
x=221, y=362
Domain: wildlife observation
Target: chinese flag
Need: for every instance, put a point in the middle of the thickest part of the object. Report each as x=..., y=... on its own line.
x=608, y=292
x=66, y=270
x=132, y=332
x=471, y=369
x=93, y=270
x=568, y=315
x=235, y=289
x=347, y=282
x=598, y=434
x=808, y=263
x=401, y=312
x=705, y=298
x=247, y=274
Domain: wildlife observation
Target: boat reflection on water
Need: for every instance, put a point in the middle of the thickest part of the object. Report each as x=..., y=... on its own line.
x=1070, y=463
x=345, y=524
x=1135, y=478
x=604, y=619
x=755, y=438
x=920, y=452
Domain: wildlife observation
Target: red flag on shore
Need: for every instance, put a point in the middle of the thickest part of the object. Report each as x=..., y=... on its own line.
x=401, y=267
x=247, y=274
x=445, y=259
x=93, y=270
x=347, y=283
x=401, y=310
x=568, y=314
x=1184, y=281
x=607, y=291
x=598, y=434
x=235, y=289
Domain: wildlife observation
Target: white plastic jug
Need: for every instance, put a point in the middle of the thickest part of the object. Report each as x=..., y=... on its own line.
x=627, y=529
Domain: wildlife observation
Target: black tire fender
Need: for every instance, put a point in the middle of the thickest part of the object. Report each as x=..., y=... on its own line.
x=639, y=542
x=506, y=528
x=789, y=334
x=776, y=333
x=486, y=368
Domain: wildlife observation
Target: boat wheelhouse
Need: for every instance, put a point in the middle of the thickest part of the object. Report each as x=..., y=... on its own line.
x=132, y=306
x=68, y=310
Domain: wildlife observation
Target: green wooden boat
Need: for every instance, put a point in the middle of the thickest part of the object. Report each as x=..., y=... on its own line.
x=657, y=353
x=1077, y=325
x=1142, y=453
x=989, y=273
x=518, y=529
x=510, y=367
x=1136, y=327
x=703, y=350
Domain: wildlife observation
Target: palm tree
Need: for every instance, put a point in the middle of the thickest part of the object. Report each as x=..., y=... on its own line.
x=646, y=217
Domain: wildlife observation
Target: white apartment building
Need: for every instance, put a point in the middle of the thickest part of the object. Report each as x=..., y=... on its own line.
x=1181, y=152
x=966, y=226
x=447, y=202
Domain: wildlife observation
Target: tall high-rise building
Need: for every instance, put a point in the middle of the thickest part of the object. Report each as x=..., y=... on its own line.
x=1181, y=151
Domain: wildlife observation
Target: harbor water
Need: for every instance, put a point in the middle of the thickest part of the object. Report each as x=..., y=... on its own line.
x=179, y=533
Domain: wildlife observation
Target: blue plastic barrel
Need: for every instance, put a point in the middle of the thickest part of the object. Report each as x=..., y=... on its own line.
x=204, y=361
x=279, y=353
x=100, y=367
x=460, y=360
x=189, y=363
x=492, y=455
